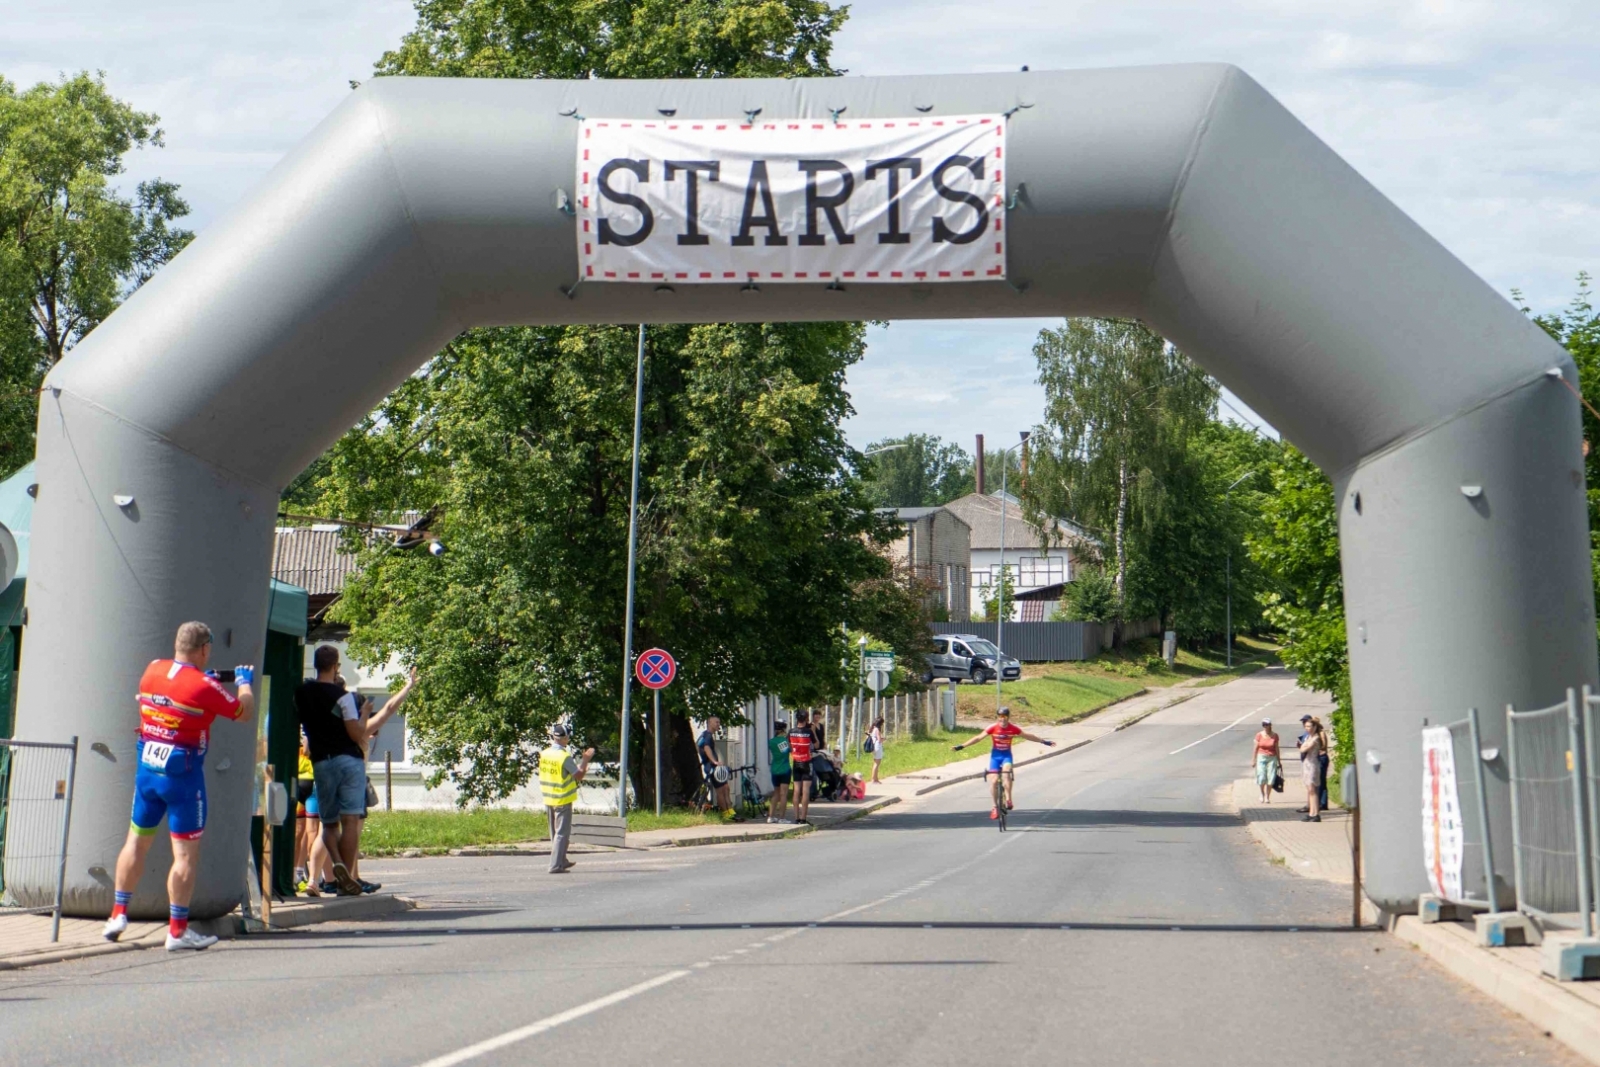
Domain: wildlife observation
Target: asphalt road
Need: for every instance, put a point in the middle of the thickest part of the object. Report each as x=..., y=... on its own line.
x=1125, y=919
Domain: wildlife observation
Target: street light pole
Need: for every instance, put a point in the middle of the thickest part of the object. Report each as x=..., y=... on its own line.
x=1000, y=615
x=633, y=552
x=861, y=678
x=1227, y=498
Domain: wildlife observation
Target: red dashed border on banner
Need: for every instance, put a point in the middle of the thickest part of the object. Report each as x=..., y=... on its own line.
x=997, y=271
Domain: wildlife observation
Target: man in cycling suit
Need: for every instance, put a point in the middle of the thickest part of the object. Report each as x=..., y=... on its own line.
x=1001, y=732
x=178, y=701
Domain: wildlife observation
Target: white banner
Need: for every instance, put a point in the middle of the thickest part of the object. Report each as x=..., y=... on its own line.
x=792, y=201
x=1443, y=836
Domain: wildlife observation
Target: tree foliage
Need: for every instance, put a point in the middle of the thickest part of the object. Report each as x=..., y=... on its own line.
x=1091, y=596
x=753, y=547
x=756, y=544
x=618, y=39
x=1297, y=549
x=72, y=247
x=917, y=470
x=1121, y=406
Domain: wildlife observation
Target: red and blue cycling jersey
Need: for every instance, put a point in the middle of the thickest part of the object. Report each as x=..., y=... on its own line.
x=1000, y=735
x=178, y=703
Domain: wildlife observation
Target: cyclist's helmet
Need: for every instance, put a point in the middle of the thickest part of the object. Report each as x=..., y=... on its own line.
x=719, y=774
x=1005, y=712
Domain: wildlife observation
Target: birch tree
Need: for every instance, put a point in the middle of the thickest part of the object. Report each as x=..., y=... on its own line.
x=1120, y=407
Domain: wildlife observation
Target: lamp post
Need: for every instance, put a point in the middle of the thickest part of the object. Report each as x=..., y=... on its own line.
x=1000, y=615
x=633, y=551
x=861, y=679
x=1227, y=497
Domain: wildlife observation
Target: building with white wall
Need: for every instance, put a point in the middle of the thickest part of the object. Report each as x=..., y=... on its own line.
x=1033, y=557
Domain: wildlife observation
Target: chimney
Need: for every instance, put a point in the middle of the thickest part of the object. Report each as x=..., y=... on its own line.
x=978, y=466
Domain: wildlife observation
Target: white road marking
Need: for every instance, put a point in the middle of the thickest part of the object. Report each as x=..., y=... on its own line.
x=1234, y=723
x=522, y=1033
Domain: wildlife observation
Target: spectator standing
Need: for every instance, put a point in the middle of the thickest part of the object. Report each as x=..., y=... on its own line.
x=559, y=775
x=1268, y=760
x=336, y=733
x=800, y=765
x=1311, y=750
x=876, y=735
x=374, y=722
x=1322, y=793
x=778, y=758
x=706, y=744
x=178, y=701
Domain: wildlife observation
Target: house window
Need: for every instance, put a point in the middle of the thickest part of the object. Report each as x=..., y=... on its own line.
x=1034, y=571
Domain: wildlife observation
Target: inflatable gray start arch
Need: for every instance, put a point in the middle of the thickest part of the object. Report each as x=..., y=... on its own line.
x=1184, y=196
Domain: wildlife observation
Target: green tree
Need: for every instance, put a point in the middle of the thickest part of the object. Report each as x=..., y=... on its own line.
x=755, y=542
x=917, y=470
x=1091, y=596
x=1120, y=407
x=1297, y=548
x=1577, y=329
x=991, y=597
x=71, y=246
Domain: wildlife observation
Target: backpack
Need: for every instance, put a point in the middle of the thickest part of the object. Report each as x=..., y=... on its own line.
x=866, y=744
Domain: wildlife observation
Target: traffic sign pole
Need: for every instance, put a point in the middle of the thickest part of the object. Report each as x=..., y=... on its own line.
x=655, y=670
x=633, y=553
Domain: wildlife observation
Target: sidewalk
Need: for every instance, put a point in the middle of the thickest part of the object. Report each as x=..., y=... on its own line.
x=1569, y=1011
x=25, y=939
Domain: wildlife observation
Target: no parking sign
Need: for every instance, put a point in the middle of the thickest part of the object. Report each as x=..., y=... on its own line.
x=655, y=668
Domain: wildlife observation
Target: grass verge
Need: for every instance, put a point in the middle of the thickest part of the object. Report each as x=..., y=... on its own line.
x=1056, y=696
x=916, y=754
x=389, y=833
x=435, y=832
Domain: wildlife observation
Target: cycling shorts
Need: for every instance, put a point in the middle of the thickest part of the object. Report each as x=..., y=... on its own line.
x=176, y=790
x=998, y=760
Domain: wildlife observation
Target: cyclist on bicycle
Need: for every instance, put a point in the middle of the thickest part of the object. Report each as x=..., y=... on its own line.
x=1000, y=733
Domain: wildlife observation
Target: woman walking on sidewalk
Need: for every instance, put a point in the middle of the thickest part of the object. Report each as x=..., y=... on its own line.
x=1268, y=762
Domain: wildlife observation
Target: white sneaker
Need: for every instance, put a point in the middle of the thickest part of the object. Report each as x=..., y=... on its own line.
x=114, y=927
x=191, y=941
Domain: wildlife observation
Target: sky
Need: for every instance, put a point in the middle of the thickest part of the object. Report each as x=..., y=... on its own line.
x=1481, y=120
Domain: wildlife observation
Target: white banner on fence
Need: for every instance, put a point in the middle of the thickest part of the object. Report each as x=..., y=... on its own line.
x=792, y=201
x=1443, y=837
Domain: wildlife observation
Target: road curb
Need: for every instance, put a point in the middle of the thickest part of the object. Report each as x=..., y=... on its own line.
x=776, y=834
x=336, y=909
x=1563, y=1015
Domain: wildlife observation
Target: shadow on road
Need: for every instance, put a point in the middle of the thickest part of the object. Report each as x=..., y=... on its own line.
x=392, y=929
x=1053, y=819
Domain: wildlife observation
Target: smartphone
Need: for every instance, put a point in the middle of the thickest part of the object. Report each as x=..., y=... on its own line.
x=225, y=677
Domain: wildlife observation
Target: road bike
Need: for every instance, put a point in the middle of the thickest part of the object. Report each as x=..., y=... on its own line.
x=999, y=792
x=752, y=803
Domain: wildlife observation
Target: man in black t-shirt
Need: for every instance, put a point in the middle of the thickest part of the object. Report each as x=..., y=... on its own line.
x=336, y=729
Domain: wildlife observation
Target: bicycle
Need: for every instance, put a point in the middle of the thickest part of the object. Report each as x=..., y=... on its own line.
x=750, y=798
x=999, y=793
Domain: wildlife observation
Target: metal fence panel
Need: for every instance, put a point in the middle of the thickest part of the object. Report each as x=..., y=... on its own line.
x=36, y=790
x=1543, y=816
x=1477, y=863
x=1591, y=731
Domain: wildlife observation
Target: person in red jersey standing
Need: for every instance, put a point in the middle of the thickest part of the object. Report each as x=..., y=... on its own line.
x=178, y=701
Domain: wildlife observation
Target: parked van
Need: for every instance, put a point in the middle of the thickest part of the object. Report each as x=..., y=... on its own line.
x=967, y=657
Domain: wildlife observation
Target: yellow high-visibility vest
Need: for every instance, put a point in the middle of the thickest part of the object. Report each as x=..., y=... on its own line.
x=559, y=787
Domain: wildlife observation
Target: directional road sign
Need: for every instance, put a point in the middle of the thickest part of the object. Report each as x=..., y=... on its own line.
x=655, y=668
x=878, y=661
x=877, y=681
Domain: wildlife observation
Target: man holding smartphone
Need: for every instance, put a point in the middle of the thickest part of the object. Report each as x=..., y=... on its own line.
x=178, y=701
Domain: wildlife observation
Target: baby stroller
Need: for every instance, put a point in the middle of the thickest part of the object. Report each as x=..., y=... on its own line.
x=826, y=779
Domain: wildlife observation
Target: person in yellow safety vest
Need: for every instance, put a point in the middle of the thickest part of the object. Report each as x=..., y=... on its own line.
x=559, y=775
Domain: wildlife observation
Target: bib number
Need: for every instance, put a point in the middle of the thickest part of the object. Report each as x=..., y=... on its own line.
x=155, y=755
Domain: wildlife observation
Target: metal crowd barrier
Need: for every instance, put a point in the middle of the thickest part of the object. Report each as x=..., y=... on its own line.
x=36, y=789
x=1591, y=763
x=1549, y=821
x=1477, y=850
